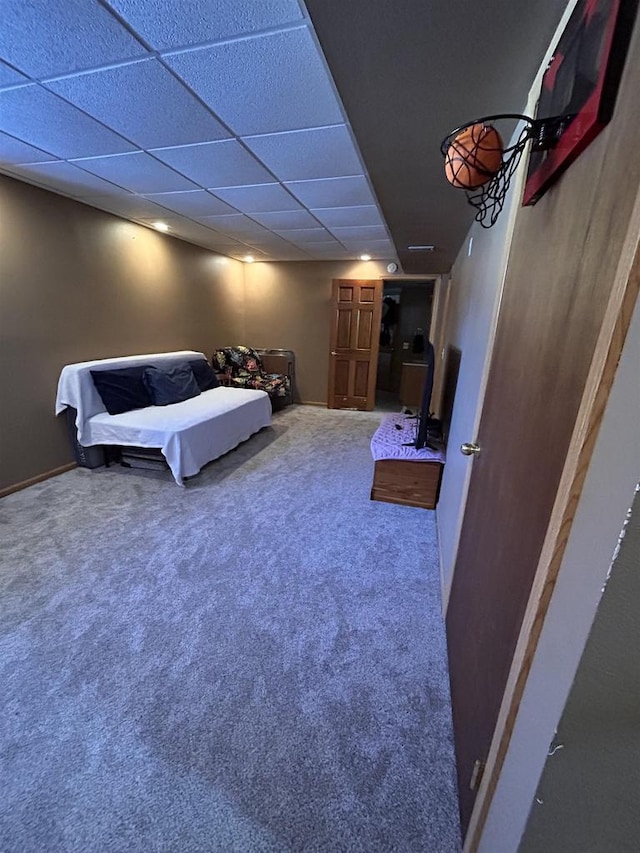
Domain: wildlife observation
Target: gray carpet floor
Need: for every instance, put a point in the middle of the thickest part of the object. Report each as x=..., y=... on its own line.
x=253, y=663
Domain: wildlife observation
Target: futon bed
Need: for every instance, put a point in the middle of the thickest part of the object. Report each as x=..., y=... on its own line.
x=189, y=433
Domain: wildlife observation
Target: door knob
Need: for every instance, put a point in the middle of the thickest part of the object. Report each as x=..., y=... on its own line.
x=333, y=352
x=469, y=449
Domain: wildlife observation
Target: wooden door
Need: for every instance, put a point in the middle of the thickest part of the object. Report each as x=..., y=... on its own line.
x=530, y=406
x=356, y=308
x=552, y=312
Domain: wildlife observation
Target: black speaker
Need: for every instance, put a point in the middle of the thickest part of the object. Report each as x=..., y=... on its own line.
x=86, y=457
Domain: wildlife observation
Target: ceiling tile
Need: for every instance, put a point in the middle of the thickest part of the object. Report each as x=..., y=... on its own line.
x=10, y=77
x=186, y=228
x=375, y=248
x=364, y=232
x=290, y=254
x=288, y=219
x=348, y=216
x=127, y=205
x=327, y=248
x=215, y=164
x=63, y=177
x=221, y=242
x=235, y=225
x=387, y=252
x=334, y=254
x=166, y=24
x=44, y=38
x=266, y=83
x=332, y=192
x=137, y=172
x=42, y=119
x=224, y=245
x=167, y=114
x=382, y=254
x=244, y=253
x=195, y=203
x=234, y=249
x=323, y=152
x=266, y=240
x=207, y=240
x=14, y=151
x=306, y=235
x=259, y=198
x=239, y=254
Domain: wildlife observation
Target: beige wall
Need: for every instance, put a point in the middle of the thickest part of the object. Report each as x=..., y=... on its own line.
x=78, y=284
x=287, y=307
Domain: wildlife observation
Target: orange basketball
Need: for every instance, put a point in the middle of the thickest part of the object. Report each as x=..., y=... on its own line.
x=474, y=156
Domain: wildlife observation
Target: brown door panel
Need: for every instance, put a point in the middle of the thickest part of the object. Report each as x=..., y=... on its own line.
x=345, y=293
x=365, y=329
x=341, y=377
x=361, y=379
x=356, y=307
x=344, y=330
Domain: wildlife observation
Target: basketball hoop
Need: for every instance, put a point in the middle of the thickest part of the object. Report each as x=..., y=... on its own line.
x=476, y=161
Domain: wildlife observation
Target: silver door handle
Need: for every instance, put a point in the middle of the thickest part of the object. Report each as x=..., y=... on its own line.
x=469, y=449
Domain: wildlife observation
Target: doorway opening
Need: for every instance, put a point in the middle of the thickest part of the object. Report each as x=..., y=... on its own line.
x=407, y=312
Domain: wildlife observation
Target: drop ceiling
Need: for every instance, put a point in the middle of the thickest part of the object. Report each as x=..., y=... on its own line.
x=410, y=71
x=222, y=118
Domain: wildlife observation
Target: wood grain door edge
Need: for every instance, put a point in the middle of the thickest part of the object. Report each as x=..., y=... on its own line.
x=375, y=347
x=333, y=323
x=613, y=331
x=437, y=332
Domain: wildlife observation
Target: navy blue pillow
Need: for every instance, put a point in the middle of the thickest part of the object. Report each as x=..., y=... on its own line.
x=122, y=390
x=168, y=385
x=205, y=377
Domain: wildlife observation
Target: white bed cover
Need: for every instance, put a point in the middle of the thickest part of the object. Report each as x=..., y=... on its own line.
x=186, y=432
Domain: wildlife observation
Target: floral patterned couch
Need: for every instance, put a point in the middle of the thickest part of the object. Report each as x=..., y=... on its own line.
x=243, y=367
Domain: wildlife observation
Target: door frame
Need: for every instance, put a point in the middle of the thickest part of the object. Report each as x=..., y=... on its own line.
x=437, y=325
x=617, y=319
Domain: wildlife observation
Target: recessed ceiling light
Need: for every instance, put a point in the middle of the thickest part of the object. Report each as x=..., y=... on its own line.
x=161, y=226
x=365, y=257
x=421, y=248
x=249, y=259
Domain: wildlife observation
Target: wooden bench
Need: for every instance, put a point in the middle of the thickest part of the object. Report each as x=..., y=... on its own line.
x=402, y=474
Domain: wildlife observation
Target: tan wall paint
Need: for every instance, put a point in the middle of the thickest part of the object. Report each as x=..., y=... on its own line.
x=78, y=284
x=287, y=307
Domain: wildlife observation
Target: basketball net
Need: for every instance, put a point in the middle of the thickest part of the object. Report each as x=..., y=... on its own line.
x=489, y=198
